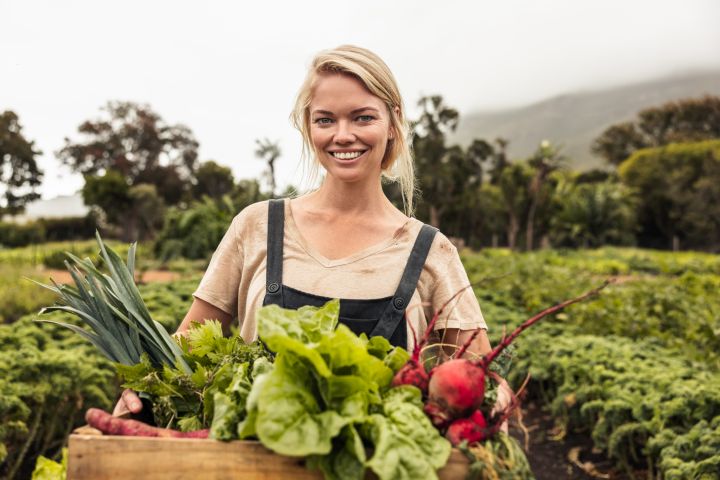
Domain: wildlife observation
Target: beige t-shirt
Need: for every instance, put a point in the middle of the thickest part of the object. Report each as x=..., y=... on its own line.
x=235, y=279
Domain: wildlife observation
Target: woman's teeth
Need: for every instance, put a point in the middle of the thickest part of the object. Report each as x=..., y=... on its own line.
x=346, y=155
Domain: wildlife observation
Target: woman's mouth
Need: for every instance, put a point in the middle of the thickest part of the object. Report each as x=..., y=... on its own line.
x=347, y=156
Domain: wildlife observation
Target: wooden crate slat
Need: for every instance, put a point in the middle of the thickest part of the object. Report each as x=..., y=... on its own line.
x=111, y=457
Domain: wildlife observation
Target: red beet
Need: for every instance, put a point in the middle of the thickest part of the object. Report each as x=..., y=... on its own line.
x=110, y=425
x=414, y=374
x=473, y=429
x=457, y=387
x=437, y=415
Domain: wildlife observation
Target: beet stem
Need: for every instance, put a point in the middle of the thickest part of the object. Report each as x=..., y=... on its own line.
x=467, y=343
x=487, y=359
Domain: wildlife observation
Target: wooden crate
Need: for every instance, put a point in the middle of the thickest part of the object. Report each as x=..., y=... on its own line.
x=105, y=457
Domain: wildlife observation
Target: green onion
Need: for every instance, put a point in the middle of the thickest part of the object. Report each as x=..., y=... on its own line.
x=110, y=304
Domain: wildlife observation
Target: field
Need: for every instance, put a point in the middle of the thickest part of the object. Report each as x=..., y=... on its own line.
x=633, y=373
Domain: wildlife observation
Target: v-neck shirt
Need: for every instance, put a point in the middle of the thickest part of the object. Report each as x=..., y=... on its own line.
x=235, y=278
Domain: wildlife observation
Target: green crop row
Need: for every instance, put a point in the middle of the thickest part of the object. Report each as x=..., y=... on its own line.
x=680, y=310
x=49, y=377
x=642, y=403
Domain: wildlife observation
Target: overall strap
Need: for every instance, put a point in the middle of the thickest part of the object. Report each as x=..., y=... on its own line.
x=394, y=313
x=275, y=238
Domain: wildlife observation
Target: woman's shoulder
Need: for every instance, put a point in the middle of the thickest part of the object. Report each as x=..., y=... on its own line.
x=253, y=213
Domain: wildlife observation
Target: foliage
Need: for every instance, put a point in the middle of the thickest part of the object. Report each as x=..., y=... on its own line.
x=633, y=395
x=46, y=469
x=213, y=180
x=48, y=378
x=269, y=152
x=195, y=232
x=111, y=305
x=134, y=141
x=185, y=400
x=21, y=234
x=20, y=296
x=328, y=396
x=687, y=120
x=593, y=215
x=679, y=191
x=19, y=171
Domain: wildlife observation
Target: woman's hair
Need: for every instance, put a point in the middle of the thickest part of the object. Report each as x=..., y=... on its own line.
x=368, y=68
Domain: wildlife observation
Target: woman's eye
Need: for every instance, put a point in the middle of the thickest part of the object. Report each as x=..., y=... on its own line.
x=366, y=118
x=323, y=120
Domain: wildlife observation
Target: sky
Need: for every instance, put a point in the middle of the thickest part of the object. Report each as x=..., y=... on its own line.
x=230, y=70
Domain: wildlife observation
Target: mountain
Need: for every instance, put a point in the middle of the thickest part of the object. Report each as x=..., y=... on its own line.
x=575, y=120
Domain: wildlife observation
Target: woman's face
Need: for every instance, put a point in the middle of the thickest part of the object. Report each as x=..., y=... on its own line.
x=349, y=128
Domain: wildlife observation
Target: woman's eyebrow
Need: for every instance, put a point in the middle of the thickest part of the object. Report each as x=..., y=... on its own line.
x=357, y=110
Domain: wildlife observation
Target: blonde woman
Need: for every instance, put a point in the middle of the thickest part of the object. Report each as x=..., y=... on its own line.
x=345, y=239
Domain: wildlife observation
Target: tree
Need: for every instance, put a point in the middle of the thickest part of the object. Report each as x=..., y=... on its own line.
x=687, y=120
x=269, y=152
x=213, y=180
x=134, y=141
x=513, y=184
x=677, y=186
x=19, y=172
x=593, y=214
x=499, y=160
x=431, y=154
x=544, y=161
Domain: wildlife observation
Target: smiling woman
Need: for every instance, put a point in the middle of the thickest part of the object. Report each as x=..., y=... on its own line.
x=345, y=239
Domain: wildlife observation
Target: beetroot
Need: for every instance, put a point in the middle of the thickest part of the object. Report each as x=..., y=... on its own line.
x=472, y=429
x=457, y=387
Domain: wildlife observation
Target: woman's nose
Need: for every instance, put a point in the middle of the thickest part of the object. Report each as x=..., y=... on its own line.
x=344, y=133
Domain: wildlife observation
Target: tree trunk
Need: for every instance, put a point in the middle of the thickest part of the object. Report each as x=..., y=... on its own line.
x=434, y=216
x=675, y=243
x=494, y=240
x=513, y=229
x=530, y=228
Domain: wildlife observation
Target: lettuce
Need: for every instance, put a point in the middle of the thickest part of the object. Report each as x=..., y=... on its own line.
x=328, y=397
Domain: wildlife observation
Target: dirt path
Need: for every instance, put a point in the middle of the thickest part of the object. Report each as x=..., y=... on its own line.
x=571, y=457
x=150, y=276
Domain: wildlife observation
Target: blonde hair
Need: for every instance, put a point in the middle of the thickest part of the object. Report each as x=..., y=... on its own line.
x=368, y=68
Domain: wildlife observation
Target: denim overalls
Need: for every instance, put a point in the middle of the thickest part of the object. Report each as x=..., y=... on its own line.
x=381, y=316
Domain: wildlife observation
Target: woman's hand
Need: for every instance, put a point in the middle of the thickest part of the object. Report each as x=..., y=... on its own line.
x=129, y=403
x=504, y=397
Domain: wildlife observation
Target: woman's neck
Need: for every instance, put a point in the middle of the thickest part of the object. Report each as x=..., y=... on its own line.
x=359, y=198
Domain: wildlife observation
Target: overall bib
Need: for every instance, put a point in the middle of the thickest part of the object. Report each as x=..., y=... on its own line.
x=381, y=316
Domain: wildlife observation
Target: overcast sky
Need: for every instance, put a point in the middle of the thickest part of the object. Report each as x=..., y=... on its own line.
x=230, y=70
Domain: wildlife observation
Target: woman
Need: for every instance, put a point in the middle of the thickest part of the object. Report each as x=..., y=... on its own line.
x=346, y=239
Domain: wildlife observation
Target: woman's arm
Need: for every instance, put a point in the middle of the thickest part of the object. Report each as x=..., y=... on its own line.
x=200, y=310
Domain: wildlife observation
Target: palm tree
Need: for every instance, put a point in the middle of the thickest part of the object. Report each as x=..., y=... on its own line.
x=544, y=161
x=269, y=152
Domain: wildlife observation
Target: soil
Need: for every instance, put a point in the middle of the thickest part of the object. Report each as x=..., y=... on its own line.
x=570, y=457
x=63, y=276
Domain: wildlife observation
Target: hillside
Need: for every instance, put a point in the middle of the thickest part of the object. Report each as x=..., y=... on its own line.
x=575, y=120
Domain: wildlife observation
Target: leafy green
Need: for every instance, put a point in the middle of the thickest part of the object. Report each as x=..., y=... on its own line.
x=111, y=305
x=219, y=368
x=328, y=397
x=46, y=469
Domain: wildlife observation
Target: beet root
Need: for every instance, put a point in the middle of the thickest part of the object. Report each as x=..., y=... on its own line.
x=412, y=373
x=472, y=429
x=457, y=387
x=110, y=425
x=437, y=415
